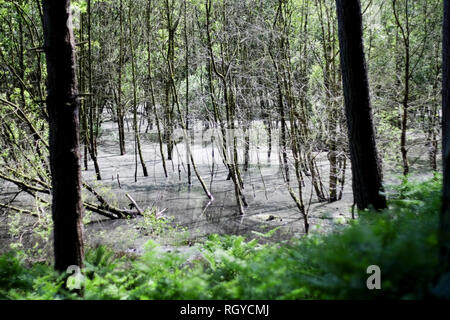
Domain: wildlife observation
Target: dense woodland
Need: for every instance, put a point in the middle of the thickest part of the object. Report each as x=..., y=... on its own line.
x=342, y=104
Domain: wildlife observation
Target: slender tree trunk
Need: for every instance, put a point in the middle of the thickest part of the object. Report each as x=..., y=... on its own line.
x=120, y=111
x=186, y=45
x=84, y=134
x=431, y=115
x=247, y=144
x=405, y=33
x=282, y=139
x=269, y=136
x=92, y=113
x=152, y=91
x=171, y=27
x=138, y=150
x=366, y=170
x=63, y=108
x=21, y=65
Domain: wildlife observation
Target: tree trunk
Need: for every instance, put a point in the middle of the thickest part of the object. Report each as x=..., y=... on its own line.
x=137, y=139
x=120, y=108
x=63, y=108
x=366, y=169
x=152, y=91
x=186, y=44
x=445, y=213
x=84, y=130
x=92, y=112
x=405, y=33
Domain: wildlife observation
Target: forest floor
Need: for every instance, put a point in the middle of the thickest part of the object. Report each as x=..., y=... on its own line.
x=192, y=216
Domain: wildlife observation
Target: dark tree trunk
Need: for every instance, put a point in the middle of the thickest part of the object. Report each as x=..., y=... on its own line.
x=366, y=170
x=63, y=108
x=93, y=113
x=186, y=67
x=445, y=213
x=120, y=110
x=405, y=34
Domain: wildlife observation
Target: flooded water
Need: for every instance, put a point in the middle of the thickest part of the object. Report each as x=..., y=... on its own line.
x=270, y=205
x=195, y=216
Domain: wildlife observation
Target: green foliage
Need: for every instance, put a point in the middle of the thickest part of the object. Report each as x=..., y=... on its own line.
x=38, y=282
x=151, y=224
x=402, y=241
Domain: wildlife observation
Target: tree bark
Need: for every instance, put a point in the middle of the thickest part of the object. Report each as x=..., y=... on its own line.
x=445, y=213
x=63, y=108
x=366, y=170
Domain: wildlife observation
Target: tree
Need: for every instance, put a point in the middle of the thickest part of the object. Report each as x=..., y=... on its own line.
x=63, y=109
x=445, y=213
x=137, y=139
x=366, y=170
x=405, y=35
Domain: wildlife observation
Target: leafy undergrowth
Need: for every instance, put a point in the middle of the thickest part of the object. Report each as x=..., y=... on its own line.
x=402, y=241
